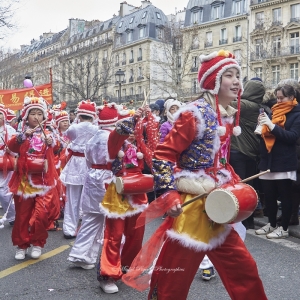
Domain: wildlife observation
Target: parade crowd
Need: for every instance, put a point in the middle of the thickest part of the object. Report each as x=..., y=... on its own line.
x=108, y=171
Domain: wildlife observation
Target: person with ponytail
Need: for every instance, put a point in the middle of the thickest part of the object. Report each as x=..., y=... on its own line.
x=193, y=160
x=278, y=152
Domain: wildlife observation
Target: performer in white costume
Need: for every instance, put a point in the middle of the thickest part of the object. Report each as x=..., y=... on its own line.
x=74, y=173
x=6, y=132
x=85, y=250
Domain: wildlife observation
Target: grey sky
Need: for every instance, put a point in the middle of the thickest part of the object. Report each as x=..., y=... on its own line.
x=37, y=16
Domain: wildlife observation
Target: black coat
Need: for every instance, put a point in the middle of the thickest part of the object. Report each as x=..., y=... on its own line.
x=283, y=156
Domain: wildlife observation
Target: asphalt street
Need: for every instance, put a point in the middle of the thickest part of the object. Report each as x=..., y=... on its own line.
x=53, y=277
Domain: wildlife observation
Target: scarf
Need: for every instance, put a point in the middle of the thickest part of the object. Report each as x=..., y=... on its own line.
x=279, y=112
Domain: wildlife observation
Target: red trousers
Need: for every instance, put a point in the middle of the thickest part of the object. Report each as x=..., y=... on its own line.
x=111, y=261
x=31, y=222
x=52, y=204
x=176, y=268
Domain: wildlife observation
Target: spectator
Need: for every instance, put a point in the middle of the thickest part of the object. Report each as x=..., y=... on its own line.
x=72, y=115
x=278, y=153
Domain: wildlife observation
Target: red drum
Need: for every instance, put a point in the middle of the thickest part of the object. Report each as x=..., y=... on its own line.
x=135, y=184
x=37, y=165
x=231, y=203
x=10, y=163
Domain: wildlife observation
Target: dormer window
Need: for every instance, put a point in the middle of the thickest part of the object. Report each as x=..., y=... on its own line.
x=144, y=15
x=121, y=24
x=237, y=7
x=196, y=15
x=129, y=35
x=131, y=20
x=158, y=15
x=217, y=10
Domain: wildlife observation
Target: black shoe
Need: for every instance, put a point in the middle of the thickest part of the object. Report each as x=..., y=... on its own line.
x=11, y=223
x=209, y=273
x=69, y=237
x=164, y=216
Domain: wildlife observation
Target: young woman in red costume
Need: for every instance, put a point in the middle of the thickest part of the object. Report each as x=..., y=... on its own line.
x=196, y=147
x=34, y=177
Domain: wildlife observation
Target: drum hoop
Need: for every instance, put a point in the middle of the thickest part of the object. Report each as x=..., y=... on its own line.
x=235, y=201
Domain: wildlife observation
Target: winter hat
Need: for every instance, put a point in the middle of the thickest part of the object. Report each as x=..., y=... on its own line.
x=108, y=114
x=209, y=77
x=61, y=116
x=168, y=104
x=50, y=121
x=256, y=78
x=59, y=107
x=161, y=104
x=3, y=111
x=154, y=106
x=33, y=103
x=87, y=108
x=10, y=115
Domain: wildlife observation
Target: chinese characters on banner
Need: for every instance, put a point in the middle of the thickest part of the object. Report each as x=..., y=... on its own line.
x=14, y=99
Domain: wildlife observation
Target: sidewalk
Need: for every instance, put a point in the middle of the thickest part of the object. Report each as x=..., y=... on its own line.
x=293, y=230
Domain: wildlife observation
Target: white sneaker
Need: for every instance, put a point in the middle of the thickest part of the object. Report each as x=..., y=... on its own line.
x=265, y=230
x=278, y=233
x=83, y=265
x=36, y=252
x=20, y=253
x=108, y=286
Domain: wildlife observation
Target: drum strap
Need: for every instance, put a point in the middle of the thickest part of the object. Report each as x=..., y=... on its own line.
x=101, y=167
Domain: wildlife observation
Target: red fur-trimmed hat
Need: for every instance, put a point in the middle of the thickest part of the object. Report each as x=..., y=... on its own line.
x=108, y=114
x=209, y=76
x=3, y=111
x=87, y=108
x=61, y=116
x=10, y=115
x=33, y=103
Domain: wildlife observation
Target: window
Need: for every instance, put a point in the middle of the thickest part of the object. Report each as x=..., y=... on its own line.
x=131, y=91
x=158, y=15
x=276, y=45
x=178, y=78
x=142, y=31
x=195, y=43
x=195, y=62
x=129, y=36
x=294, y=43
x=209, y=36
x=223, y=36
x=124, y=58
x=140, y=73
x=236, y=7
x=144, y=15
x=276, y=74
x=276, y=16
x=131, y=20
x=159, y=33
x=195, y=86
x=258, y=48
x=294, y=71
x=178, y=43
x=217, y=11
x=258, y=72
x=121, y=24
x=259, y=20
x=105, y=54
x=196, y=15
x=179, y=61
x=295, y=12
x=140, y=90
x=118, y=41
x=124, y=92
x=117, y=59
x=140, y=52
x=237, y=34
x=131, y=54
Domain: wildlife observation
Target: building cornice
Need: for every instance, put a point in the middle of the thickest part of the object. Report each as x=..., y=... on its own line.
x=266, y=4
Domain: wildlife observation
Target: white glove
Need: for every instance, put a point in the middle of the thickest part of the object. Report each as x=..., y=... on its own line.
x=264, y=120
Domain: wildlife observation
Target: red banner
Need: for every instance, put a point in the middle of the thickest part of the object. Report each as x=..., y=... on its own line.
x=14, y=99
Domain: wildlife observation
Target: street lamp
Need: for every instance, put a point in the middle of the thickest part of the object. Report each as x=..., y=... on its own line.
x=120, y=76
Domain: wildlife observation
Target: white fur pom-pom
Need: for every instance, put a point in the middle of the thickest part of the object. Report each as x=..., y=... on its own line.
x=237, y=130
x=121, y=154
x=139, y=155
x=221, y=130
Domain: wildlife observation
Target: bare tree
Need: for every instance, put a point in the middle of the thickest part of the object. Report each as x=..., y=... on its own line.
x=85, y=77
x=7, y=9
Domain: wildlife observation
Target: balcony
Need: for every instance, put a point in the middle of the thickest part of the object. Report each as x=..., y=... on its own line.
x=222, y=42
x=131, y=60
x=237, y=39
x=259, y=25
x=140, y=78
x=131, y=79
x=123, y=81
x=276, y=23
x=208, y=44
x=194, y=69
x=194, y=47
x=294, y=49
x=297, y=20
x=140, y=58
x=104, y=60
x=123, y=62
x=117, y=64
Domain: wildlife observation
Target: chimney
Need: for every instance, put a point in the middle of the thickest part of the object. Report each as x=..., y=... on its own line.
x=145, y=3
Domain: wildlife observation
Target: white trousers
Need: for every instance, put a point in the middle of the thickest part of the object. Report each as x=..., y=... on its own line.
x=72, y=210
x=88, y=240
x=5, y=200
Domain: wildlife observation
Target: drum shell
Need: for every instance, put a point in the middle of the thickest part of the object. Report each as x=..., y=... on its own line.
x=243, y=199
x=37, y=165
x=135, y=184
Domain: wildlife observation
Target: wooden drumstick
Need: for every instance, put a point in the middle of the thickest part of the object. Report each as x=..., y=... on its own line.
x=36, y=127
x=255, y=176
x=204, y=195
x=42, y=128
